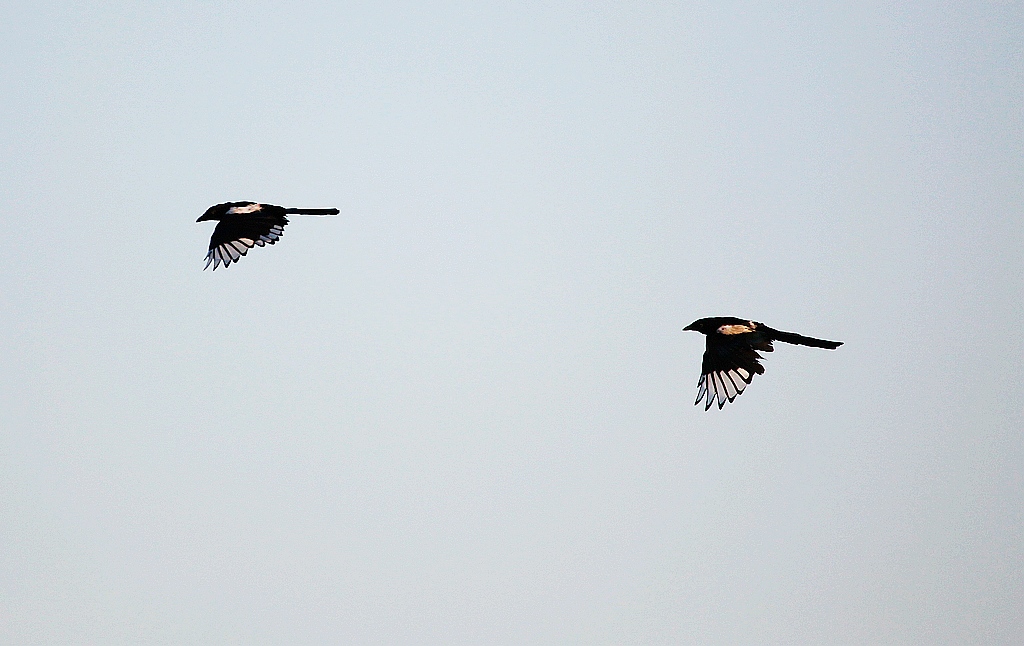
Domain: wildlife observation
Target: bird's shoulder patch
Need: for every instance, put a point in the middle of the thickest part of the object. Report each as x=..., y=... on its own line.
x=737, y=329
x=249, y=208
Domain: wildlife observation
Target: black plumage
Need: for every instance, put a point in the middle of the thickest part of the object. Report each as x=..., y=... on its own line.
x=731, y=356
x=244, y=225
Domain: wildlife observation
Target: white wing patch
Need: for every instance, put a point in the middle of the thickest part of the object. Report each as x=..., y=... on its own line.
x=735, y=329
x=723, y=385
x=249, y=208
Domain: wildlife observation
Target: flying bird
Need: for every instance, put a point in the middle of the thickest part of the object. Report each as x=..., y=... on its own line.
x=244, y=225
x=730, y=356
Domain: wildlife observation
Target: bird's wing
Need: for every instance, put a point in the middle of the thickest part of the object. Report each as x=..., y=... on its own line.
x=234, y=236
x=729, y=365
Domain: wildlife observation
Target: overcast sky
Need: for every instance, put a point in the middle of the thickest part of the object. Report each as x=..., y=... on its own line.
x=462, y=412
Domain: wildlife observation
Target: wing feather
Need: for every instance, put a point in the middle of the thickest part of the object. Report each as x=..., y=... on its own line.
x=242, y=230
x=728, y=366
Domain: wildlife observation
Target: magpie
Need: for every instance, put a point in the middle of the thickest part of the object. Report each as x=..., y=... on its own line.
x=243, y=225
x=730, y=355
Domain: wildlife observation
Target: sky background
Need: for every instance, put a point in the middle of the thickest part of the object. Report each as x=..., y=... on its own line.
x=462, y=412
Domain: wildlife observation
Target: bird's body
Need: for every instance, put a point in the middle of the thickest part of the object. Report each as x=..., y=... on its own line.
x=731, y=356
x=244, y=225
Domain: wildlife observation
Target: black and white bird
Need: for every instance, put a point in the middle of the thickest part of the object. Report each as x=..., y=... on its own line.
x=730, y=355
x=244, y=225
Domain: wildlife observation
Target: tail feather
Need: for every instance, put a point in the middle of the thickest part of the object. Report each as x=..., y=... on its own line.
x=799, y=339
x=312, y=211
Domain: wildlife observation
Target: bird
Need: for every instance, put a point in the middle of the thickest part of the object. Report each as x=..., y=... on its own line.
x=730, y=355
x=244, y=225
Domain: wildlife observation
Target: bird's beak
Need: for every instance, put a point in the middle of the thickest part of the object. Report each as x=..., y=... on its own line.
x=689, y=328
x=201, y=218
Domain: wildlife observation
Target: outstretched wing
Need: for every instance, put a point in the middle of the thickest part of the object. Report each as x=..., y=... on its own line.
x=236, y=235
x=729, y=365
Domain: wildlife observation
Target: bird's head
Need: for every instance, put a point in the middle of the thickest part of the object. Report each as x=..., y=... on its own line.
x=721, y=325
x=704, y=326
x=218, y=211
x=215, y=212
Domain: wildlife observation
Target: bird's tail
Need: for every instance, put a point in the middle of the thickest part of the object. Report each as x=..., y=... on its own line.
x=312, y=211
x=799, y=339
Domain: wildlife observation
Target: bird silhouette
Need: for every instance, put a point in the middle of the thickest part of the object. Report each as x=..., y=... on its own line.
x=244, y=225
x=730, y=355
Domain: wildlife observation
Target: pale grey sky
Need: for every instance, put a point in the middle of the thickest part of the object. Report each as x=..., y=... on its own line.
x=462, y=412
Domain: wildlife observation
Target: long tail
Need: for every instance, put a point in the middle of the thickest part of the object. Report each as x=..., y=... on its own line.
x=312, y=211
x=799, y=339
